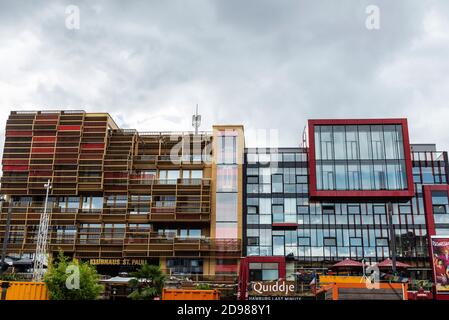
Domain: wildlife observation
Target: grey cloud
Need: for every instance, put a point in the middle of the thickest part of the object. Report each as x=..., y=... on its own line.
x=266, y=64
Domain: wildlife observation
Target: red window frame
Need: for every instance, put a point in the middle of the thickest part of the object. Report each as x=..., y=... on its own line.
x=430, y=225
x=359, y=194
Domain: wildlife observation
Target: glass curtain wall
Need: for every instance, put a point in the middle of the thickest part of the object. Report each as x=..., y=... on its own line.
x=360, y=157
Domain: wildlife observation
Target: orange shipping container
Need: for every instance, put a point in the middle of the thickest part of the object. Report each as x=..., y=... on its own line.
x=182, y=294
x=19, y=290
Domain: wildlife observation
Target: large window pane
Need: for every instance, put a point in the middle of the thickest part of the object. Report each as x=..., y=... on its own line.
x=391, y=147
x=340, y=176
x=352, y=143
x=339, y=142
x=365, y=142
x=278, y=245
x=226, y=230
x=226, y=207
x=226, y=178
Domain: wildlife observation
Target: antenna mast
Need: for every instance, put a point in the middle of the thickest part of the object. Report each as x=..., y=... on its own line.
x=196, y=120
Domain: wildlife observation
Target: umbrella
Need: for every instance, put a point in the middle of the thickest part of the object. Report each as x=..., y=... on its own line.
x=388, y=263
x=347, y=264
x=24, y=262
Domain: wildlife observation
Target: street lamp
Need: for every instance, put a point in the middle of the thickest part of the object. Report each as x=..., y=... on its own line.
x=42, y=236
x=3, y=265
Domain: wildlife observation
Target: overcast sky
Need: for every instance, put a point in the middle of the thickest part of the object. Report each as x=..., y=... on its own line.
x=265, y=64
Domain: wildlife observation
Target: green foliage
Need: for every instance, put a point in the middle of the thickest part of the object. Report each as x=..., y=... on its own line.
x=203, y=286
x=9, y=277
x=148, y=282
x=56, y=278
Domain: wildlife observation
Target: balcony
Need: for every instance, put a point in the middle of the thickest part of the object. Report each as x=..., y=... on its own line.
x=153, y=245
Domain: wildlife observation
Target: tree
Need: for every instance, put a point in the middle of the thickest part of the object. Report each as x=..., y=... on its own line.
x=148, y=282
x=61, y=282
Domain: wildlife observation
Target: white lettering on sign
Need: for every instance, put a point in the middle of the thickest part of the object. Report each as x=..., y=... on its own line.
x=277, y=287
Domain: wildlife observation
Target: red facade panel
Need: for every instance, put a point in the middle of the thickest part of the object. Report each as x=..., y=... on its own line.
x=69, y=128
x=92, y=145
x=15, y=168
x=15, y=162
x=44, y=139
x=19, y=133
x=42, y=150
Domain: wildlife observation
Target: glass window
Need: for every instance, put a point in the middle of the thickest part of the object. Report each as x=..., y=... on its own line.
x=439, y=209
x=352, y=143
x=226, y=230
x=303, y=241
x=226, y=206
x=365, y=142
x=353, y=177
x=379, y=209
x=355, y=241
x=277, y=183
x=227, y=148
x=330, y=242
x=353, y=209
x=381, y=242
x=440, y=197
x=73, y=202
x=340, y=176
x=226, y=178
x=192, y=174
x=328, y=209
x=86, y=203
x=252, y=179
x=195, y=233
x=339, y=142
x=270, y=275
x=97, y=202
x=278, y=245
x=288, y=157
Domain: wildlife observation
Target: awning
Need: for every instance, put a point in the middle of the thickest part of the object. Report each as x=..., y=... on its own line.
x=388, y=263
x=347, y=264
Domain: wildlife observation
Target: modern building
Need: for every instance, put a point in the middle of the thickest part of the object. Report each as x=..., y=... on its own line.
x=120, y=198
x=343, y=195
x=196, y=203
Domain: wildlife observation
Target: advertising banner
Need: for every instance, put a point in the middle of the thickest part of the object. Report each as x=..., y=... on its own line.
x=440, y=261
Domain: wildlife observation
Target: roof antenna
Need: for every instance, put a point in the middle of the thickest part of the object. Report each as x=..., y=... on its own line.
x=196, y=120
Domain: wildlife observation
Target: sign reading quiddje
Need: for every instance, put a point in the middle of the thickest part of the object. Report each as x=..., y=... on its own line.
x=272, y=288
x=117, y=262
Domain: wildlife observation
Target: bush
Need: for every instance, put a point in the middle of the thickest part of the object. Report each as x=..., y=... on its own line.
x=203, y=286
x=58, y=274
x=9, y=277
